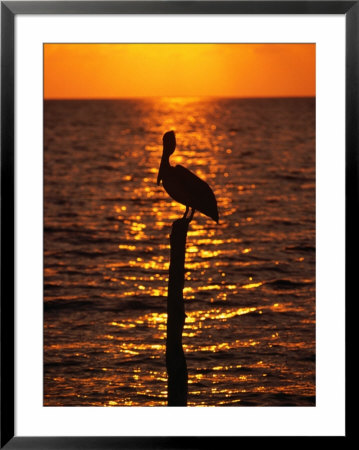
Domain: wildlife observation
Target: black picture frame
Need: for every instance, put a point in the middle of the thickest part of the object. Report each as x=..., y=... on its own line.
x=9, y=10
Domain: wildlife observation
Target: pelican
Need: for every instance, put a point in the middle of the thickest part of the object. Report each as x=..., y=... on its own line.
x=183, y=185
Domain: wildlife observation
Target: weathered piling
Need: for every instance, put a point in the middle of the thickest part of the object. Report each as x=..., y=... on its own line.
x=175, y=359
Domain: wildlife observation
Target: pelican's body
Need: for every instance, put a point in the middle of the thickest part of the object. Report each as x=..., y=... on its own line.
x=183, y=185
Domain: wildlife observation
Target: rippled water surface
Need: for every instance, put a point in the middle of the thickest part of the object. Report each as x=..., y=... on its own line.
x=249, y=335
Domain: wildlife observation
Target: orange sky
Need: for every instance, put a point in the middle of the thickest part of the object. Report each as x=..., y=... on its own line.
x=140, y=70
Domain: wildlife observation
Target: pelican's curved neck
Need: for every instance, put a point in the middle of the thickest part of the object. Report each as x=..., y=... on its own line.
x=164, y=166
x=165, y=158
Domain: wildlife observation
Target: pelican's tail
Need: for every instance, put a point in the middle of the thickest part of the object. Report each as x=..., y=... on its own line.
x=215, y=217
x=210, y=209
x=212, y=213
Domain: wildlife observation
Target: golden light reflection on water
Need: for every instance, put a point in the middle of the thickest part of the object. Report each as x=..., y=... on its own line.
x=252, y=285
x=194, y=324
x=220, y=376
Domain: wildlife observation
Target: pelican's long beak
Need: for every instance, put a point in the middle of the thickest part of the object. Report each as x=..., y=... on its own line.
x=160, y=173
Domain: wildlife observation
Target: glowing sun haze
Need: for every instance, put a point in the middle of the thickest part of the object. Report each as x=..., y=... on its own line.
x=78, y=71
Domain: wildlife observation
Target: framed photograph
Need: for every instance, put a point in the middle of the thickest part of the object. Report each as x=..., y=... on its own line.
x=178, y=187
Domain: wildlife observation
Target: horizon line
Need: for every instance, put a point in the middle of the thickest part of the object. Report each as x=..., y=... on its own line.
x=145, y=97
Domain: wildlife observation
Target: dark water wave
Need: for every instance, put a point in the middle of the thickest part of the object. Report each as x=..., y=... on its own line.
x=287, y=284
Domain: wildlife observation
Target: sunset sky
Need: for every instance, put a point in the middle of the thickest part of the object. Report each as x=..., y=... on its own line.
x=141, y=70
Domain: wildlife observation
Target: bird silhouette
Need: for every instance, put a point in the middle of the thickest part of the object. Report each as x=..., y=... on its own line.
x=183, y=185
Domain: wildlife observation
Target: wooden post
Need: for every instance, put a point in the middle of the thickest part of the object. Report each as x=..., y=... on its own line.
x=175, y=359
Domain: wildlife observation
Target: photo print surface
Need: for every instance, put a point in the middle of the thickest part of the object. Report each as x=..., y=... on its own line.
x=242, y=120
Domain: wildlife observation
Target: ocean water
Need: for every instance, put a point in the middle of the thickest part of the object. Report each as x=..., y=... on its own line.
x=249, y=336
